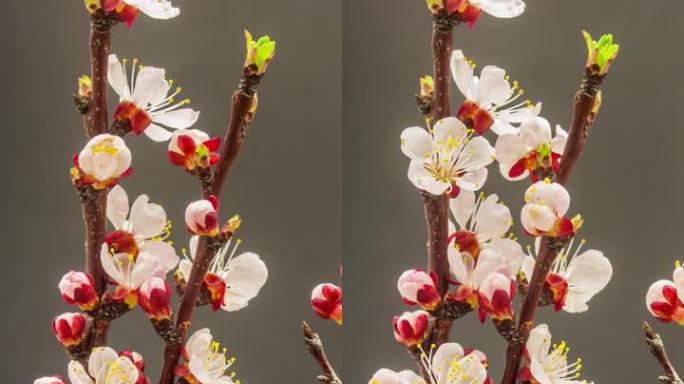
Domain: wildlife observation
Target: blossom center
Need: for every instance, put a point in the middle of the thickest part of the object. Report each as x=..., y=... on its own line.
x=466, y=241
x=475, y=117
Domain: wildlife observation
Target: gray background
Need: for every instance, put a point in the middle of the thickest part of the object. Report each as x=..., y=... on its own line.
x=628, y=185
x=286, y=183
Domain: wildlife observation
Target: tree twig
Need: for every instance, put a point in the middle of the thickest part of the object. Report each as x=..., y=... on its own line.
x=234, y=138
x=657, y=348
x=96, y=122
x=583, y=117
x=436, y=208
x=315, y=347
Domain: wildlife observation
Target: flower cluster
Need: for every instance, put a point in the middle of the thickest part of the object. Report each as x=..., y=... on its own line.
x=665, y=298
x=127, y=11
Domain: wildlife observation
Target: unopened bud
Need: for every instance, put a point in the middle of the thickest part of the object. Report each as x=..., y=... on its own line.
x=201, y=217
x=411, y=327
x=326, y=301
x=259, y=53
x=70, y=329
x=417, y=287
x=49, y=380
x=154, y=297
x=77, y=288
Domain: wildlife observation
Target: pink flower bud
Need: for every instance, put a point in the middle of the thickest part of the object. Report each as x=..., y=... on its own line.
x=104, y=160
x=49, y=380
x=70, y=328
x=664, y=302
x=77, y=288
x=201, y=217
x=326, y=301
x=411, y=327
x=496, y=296
x=192, y=148
x=135, y=358
x=154, y=297
x=417, y=287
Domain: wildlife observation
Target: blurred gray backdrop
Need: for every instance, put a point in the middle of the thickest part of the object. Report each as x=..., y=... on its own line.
x=286, y=184
x=628, y=185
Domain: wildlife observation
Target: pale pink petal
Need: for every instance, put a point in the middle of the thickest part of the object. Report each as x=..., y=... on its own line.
x=117, y=206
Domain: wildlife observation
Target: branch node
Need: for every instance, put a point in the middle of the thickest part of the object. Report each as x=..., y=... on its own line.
x=315, y=346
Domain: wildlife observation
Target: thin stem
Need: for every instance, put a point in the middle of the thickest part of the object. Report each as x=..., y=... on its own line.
x=583, y=117
x=657, y=348
x=94, y=208
x=315, y=347
x=232, y=141
x=436, y=208
x=234, y=138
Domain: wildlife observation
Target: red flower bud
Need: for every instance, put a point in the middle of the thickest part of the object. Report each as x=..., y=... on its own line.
x=326, y=301
x=77, y=288
x=418, y=287
x=154, y=297
x=70, y=328
x=411, y=327
x=201, y=217
x=496, y=297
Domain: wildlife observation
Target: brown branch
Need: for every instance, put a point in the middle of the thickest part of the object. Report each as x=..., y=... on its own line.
x=583, y=117
x=315, y=346
x=436, y=208
x=657, y=348
x=233, y=140
x=205, y=253
x=94, y=206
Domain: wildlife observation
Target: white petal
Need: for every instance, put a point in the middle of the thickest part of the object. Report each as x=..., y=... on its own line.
x=78, y=374
x=494, y=282
x=100, y=359
x=150, y=86
x=493, y=88
x=587, y=274
x=416, y=143
x=510, y=148
x=538, y=372
x=185, y=267
x=156, y=9
x=552, y=195
x=655, y=293
x=462, y=73
x=539, y=342
x=462, y=207
x=104, y=166
x=446, y=354
x=535, y=132
x=449, y=128
x=493, y=219
x=409, y=377
x=199, y=342
x=558, y=142
x=422, y=179
x=110, y=266
x=503, y=126
x=461, y=265
x=192, y=246
x=478, y=153
x=177, y=119
x=518, y=115
x=473, y=369
x=527, y=267
x=501, y=8
x=511, y=252
x=536, y=218
x=245, y=277
x=163, y=252
x=117, y=78
x=148, y=219
x=472, y=181
x=489, y=263
x=146, y=265
x=157, y=133
x=117, y=206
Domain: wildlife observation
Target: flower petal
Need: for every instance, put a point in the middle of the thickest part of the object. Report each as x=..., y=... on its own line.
x=445, y=355
x=164, y=253
x=177, y=119
x=535, y=132
x=472, y=181
x=493, y=88
x=493, y=219
x=462, y=207
x=100, y=359
x=478, y=153
x=558, y=142
x=148, y=220
x=117, y=206
x=462, y=73
x=117, y=78
x=587, y=274
x=422, y=179
x=449, y=129
x=501, y=8
x=78, y=374
x=156, y=9
x=150, y=86
x=244, y=278
x=416, y=143
x=461, y=265
x=110, y=266
x=157, y=133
